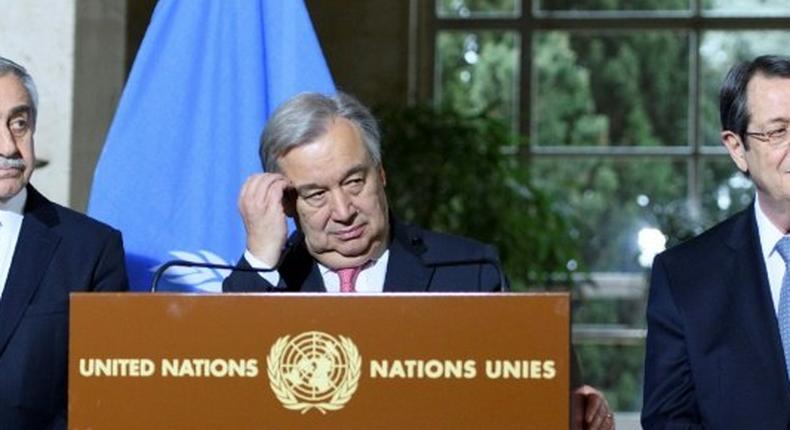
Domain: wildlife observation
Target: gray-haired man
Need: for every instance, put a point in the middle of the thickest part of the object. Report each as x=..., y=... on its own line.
x=323, y=160
x=46, y=252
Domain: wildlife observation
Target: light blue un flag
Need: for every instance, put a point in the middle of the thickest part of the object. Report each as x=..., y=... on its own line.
x=185, y=136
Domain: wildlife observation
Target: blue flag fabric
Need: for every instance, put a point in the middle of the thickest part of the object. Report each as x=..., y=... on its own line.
x=185, y=136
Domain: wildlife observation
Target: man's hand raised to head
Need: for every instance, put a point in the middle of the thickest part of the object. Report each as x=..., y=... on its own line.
x=264, y=214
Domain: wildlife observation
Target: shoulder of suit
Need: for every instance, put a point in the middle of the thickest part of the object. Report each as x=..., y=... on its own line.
x=437, y=245
x=711, y=239
x=63, y=218
x=73, y=217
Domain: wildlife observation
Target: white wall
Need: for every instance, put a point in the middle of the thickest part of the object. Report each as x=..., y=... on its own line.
x=75, y=51
x=39, y=34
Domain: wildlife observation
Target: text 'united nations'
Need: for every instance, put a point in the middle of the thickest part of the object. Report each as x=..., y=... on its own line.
x=379, y=369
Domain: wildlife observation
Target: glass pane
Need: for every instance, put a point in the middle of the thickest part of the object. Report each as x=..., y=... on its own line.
x=724, y=190
x=479, y=72
x=612, y=5
x=747, y=7
x=611, y=89
x=719, y=51
x=617, y=207
x=478, y=8
x=616, y=370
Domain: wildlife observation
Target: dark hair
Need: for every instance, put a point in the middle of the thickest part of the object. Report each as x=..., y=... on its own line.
x=306, y=117
x=733, y=106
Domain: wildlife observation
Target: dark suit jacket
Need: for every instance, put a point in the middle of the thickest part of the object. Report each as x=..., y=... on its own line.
x=714, y=355
x=58, y=251
x=419, y=261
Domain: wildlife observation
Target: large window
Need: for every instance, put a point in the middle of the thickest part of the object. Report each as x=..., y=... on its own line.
x=618, y=100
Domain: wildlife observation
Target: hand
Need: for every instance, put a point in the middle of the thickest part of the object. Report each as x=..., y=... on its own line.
x=590, y=410
x=264, y=215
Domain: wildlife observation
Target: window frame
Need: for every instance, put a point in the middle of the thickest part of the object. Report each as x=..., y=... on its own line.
x=694, y=21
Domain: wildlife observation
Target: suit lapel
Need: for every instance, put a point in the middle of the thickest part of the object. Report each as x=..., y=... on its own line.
x=314, y=283
x=406, y=271
x=32, y=255
x=299, y=270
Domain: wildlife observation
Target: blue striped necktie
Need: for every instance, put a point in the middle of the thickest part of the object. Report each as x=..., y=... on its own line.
x=783, y=315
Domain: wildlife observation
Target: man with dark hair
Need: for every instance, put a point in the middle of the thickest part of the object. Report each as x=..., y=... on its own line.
x=718, y=315
x=324, y=169
x=46, y=252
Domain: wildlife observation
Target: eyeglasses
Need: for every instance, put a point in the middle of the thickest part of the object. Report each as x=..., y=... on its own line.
x=775, y=138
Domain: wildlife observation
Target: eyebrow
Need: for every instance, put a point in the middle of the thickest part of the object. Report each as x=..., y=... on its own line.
x=779, y=119
x=26, y=109
x=359, y=168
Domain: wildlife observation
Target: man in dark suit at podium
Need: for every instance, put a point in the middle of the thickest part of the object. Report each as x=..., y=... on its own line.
x=718, y=315
x=324, y=168
x=46, y=252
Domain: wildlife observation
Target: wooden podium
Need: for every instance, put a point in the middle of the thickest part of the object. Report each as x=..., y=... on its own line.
x=303, y=361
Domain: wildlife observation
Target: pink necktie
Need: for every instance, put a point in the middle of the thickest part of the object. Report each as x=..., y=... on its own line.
x=348, y=277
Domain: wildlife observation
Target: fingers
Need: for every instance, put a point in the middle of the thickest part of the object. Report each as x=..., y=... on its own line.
x=260, y=191
x=603, y=422
x=594, y=406
x=596, y=421
x=261, y=207
x=597, y=414
x=577, y=411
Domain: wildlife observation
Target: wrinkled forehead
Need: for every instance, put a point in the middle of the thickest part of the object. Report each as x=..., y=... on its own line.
x=11, y=79
x=14, y=97
x=339, y=141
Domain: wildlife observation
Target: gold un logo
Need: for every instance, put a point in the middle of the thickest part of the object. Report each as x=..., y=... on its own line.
x=314, y=371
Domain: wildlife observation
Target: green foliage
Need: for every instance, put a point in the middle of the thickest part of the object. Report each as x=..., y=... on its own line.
x=597, y=91
x=465, y=8
x=479, y=72
x=618, y=370
x=459, y=173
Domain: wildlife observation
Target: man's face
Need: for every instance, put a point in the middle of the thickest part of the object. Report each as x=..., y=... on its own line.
x=17, y=159
x=341, y=206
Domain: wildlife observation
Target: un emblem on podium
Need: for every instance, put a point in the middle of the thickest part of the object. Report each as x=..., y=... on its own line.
x=314, y=370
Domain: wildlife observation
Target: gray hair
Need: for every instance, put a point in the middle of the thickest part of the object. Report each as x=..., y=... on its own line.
x=306, y=117
x=7, y=66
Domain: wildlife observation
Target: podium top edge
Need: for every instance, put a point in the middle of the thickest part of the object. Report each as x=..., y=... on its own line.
x=322, y=295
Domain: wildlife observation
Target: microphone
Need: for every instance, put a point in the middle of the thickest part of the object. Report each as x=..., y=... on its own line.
x=289, y=244
x=184, y=263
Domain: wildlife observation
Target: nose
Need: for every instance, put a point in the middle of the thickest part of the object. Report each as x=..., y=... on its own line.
x=8, y=145
x=343, y=209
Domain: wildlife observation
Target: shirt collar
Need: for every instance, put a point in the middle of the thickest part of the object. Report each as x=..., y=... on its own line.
x=15, y=205
x=769, y=233
x=324, y=270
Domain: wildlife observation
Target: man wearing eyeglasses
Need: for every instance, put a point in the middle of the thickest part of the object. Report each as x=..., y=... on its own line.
x=718, y=315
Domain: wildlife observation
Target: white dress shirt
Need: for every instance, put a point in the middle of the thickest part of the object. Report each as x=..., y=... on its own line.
x=369, y=280
x=774, y=264
x=11, y=213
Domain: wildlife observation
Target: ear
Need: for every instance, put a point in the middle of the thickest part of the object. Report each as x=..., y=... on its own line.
x=736, y=148
x=382, y=176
